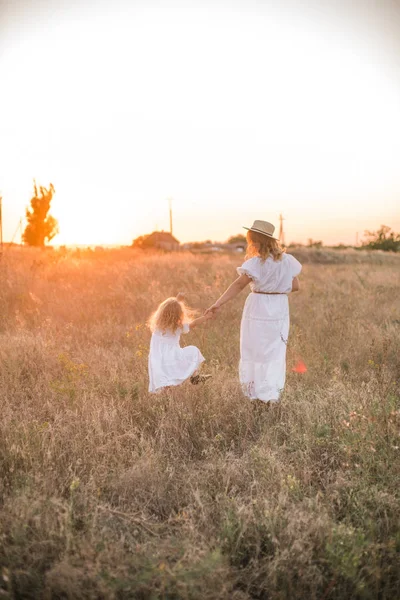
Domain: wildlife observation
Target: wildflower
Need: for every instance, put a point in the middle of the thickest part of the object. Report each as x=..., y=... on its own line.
x=292, y=482
x=74, y=484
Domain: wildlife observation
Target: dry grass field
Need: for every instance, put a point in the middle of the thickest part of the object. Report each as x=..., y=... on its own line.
x=108, y=492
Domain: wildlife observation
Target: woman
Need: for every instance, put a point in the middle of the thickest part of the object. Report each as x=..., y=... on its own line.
x=264, y=330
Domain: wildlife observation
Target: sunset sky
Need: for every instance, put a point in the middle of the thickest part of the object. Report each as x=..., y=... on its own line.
x=237, y=110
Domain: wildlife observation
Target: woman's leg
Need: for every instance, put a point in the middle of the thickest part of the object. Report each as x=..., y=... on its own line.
x=263, y=358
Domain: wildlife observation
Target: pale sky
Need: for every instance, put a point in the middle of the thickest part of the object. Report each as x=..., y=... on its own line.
x=237, y=110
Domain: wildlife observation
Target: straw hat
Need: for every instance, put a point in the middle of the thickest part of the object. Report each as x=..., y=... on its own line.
x=263, y=227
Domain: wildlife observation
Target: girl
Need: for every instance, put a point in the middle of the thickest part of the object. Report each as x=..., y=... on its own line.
x=169, y=364
x=264, y=330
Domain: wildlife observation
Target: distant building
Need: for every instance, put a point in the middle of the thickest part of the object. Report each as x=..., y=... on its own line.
x=163, y=240
x=236, y=246
x=209, y=247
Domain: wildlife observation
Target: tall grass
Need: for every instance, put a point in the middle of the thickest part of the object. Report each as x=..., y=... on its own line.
x=108, y=492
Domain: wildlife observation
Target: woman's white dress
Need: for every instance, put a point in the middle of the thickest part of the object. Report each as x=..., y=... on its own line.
x=169, y=364
x=265, y=326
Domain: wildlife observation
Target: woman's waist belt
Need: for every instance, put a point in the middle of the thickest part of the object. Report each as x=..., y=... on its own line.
x=269, y=293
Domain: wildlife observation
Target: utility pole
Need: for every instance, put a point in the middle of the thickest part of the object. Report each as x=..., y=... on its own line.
x=20, y=231
x=1, y=224
x=170, y=214
x=281, y=233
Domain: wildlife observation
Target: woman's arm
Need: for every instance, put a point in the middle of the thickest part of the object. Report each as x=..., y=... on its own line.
x=295, y=284
x=233, y=290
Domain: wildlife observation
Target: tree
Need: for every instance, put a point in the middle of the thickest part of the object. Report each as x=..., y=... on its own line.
x=237, y=239
x=41, y=227
x=383, y=239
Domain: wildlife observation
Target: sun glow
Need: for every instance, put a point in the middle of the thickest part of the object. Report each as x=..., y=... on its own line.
x=236, y=114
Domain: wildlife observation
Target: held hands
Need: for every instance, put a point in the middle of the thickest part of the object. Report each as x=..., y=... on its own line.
x=212, y=311
x=208, y=314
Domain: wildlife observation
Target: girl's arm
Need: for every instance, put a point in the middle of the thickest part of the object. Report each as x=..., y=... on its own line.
x=295, y=284
x=200, y=320
x=233, y=290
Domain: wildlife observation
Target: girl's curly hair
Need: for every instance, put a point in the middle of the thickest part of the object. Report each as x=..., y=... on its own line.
x=263, y=246
x=170, y=316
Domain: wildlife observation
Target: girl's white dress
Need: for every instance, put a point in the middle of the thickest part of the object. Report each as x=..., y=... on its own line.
x=265, y=326
x=169, y=364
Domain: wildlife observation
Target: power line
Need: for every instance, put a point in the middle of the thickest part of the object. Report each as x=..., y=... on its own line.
x=16, y=231
x=19, y=228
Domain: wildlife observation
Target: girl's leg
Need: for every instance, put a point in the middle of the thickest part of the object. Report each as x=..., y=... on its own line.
x=197, y=378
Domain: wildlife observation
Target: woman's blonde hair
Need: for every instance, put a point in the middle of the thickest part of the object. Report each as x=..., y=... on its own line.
x=170, y=316
x=263, y=246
